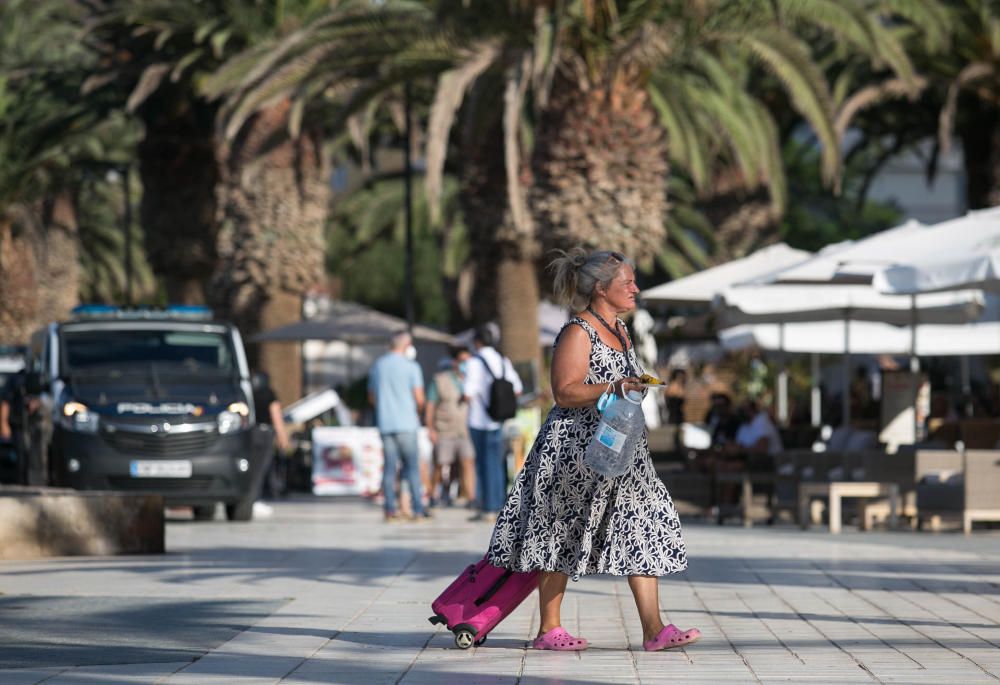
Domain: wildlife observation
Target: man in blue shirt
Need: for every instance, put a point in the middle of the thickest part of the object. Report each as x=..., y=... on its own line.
x=396, y=390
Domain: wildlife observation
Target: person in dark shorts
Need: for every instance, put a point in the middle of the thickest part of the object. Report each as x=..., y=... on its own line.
x=268, y=412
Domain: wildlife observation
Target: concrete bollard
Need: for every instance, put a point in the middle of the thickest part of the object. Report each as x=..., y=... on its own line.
x=48, y=522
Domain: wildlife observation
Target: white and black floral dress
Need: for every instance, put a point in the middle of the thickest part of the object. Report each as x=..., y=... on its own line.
x=563, y=516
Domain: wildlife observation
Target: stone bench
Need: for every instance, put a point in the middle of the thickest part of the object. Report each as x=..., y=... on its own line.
x=46, y=522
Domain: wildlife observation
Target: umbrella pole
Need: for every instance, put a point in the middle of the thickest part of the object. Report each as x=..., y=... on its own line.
x=815, y=395
x=350, y=365
x=966, y=385
x=782, y=378
x=408, y=192
x=845, y=399
x=914, y=366
x=305, y=369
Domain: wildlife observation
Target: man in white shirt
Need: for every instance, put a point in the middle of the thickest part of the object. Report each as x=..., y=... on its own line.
x=757, y=441
x=486, y=433
x=757, y=433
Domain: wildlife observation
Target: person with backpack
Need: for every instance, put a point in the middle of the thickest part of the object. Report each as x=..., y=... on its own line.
x=491, y=389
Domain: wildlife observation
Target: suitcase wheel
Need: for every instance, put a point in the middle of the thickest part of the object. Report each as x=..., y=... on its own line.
x=464, y=639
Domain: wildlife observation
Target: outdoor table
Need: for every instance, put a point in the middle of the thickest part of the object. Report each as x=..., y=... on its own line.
x=746, y=480
x=835, y=491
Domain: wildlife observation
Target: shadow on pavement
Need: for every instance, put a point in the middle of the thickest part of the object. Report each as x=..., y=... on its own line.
x=43, y=631
x=255, y=566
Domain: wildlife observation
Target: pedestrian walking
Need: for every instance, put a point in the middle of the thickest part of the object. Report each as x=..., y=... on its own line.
x=267, y=410
x=447, y=419
x=486, y=368
x=396, y=390
x=565, y=519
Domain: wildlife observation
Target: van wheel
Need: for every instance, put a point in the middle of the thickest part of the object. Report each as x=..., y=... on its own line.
x=240, y=511
x=204, y=513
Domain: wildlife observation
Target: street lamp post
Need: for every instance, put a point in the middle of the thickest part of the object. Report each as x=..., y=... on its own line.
x=408, y=198
x=127, y=228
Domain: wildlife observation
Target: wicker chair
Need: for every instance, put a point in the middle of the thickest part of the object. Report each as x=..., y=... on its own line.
x=969, y=492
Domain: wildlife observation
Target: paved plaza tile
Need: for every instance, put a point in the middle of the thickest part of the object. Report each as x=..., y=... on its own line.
x=324, y=592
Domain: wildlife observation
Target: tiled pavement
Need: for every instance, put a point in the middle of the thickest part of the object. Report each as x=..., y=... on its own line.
x=324, y=592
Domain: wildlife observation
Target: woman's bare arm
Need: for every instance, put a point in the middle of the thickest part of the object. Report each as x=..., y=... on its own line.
x=570, y=364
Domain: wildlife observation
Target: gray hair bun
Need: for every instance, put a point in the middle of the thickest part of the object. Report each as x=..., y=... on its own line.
x=577, y=272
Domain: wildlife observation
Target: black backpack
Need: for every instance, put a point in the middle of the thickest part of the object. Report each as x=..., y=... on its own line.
x=502, y=403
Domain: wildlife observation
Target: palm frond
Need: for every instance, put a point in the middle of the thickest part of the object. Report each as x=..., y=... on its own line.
x=788, y=59
x=518, y=77
x=448, y=96
x=969, y=74
x=931, y=18
x=872, y=95
x=686, y=146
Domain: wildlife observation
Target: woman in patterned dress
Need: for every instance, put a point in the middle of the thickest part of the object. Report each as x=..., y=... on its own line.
x=565, y=519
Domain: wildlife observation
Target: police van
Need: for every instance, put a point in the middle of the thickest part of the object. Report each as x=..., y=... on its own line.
x=147, y=401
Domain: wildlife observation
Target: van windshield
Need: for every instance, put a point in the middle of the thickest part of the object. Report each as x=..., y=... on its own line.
x=188, y=353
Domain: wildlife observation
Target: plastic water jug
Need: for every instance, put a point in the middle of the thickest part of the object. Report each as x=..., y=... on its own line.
x=612, y=449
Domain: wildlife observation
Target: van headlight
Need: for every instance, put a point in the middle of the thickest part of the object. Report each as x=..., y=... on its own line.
x=235, y=417
x=76, y=416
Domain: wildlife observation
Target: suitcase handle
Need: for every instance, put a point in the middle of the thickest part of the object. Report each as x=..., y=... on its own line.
x=494, y=588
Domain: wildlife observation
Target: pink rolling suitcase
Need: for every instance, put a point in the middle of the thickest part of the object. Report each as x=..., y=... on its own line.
x=481, y=597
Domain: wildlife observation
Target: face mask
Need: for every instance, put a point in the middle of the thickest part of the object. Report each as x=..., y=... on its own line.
x=606, y=399
x=411, y=352
x=463, y=367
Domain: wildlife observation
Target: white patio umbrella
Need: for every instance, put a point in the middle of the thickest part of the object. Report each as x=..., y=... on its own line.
x=867, y=337
x=704, y=286
x=850, y=261
x=787, y=303
x=855, y=263
x=784, y=304
x=959, y=253
x=955, y=254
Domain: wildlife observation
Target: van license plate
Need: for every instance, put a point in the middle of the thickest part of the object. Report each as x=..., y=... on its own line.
x=180, y=468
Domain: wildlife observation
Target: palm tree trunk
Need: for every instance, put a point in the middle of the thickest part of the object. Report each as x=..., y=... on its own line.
x=505, y=284
x=282, y=361
x=39, y=266
x=744, y=219
x=741, y=227
x=18, y=285
x=980, y=135
x=600, y=169
x=58, y=258
x=274, y=200
x=517, y=309
x=180, y=176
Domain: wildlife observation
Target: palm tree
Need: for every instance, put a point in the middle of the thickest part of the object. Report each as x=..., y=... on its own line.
x=153, y=55
x=861, y=46
x=562, y=118
x=46, y=136
x=149, y=56
x=101, y=211
x=957, y=52
x=367, y=231
x=970, y=72
x=239, y=217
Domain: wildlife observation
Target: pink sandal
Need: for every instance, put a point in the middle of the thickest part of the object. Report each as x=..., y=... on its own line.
x=671, y=637
x=559, y=640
